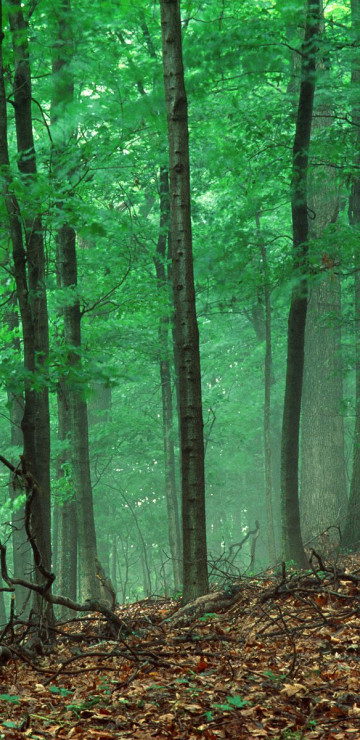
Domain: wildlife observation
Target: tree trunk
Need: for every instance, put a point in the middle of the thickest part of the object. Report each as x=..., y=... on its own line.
x=267, y=397
x=88, y=584
x=292, y=542
x=29, y=272
x=323, y=481
x=166, y=390
x=323, y=478
x=351, y=537
x=67, y=268
x=66, y=562
x=195, y=575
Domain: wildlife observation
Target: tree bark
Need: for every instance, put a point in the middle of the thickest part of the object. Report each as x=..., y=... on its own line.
x=66, y=561
x=292, y=542
x=89, y=586
x=267, y=398
x=195, y=574
x=323, y=497
x=166, y=390
x=351, y=536
x=29, y=272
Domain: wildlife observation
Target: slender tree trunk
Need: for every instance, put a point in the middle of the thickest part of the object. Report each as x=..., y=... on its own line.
x=351, y=537
x=88, y=584
x=267, y=398
x=114, y=559
x=3, y=619
x=67, y=267
x=292, y=542
x=166, y=390
x=29, y=272
x=67, y=521
x=195, y=574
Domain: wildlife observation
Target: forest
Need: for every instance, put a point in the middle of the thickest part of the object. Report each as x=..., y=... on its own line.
x=180, y=367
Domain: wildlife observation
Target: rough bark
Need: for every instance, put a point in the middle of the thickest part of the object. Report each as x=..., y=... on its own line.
x=292, y=542
x=195, y=575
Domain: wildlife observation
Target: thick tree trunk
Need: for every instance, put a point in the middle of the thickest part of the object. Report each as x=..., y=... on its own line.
x=323, y=481
x=323, y=475
x=292, y=542
x=351, y=537
x=29, y=272
x=166, y=390
x=195, y=575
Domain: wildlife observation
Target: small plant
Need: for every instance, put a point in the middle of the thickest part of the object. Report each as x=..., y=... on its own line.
x=275, y=677
x=61, y=690
x=89, y=704
x=208, y=615
x=10, y=698
x=232, y=702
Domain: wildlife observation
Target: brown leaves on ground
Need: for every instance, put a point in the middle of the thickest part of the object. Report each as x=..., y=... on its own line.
x=283, y=661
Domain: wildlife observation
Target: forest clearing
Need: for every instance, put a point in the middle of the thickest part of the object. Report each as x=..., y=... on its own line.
x=279, y=659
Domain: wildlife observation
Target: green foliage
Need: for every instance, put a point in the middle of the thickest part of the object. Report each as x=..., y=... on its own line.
x=60, y=690
x=10, y=698
x=240, y=84
x=232, y=702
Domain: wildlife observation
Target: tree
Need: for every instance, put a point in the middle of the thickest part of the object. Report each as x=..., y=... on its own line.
x=292, y=542
x=67, y=269
x=323, y=476
x=29, y=272
x=195, y=576
x=351, y=537
x=166, y=390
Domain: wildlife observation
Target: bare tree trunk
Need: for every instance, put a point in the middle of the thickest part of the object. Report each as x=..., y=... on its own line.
x=323, y=477
x=292, y=542
x=29, y=271
x=67, y=268
x=195, y=574
x=351, y=537
x=66, y=561
x=267, y=396
x=166, y=390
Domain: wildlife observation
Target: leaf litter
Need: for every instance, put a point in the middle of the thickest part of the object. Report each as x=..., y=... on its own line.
x=279, y=658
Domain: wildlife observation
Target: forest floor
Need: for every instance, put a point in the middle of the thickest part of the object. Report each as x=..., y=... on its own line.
x=281, y=660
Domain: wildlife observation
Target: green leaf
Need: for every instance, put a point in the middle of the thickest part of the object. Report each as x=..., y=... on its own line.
x=60, y=690
x=232, y=702
x=10, y=699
